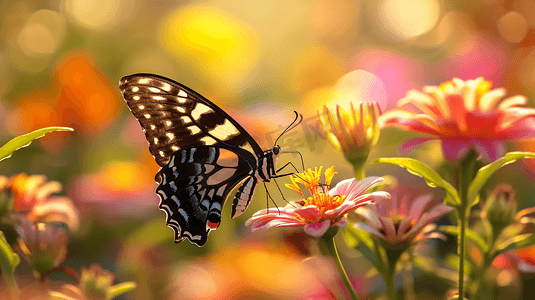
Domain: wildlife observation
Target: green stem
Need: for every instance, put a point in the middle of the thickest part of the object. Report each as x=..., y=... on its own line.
x=331, y=248
x=461, y=251
x=358, y=166
x=387, y=269
x=467, y=172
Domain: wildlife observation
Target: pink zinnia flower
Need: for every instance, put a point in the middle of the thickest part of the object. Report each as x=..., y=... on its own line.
x=465, y=115
x=403, y=220
x=324, y=208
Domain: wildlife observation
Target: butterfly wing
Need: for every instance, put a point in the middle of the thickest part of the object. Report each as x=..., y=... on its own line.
x=194, y=186
x=203, y=152
x=175, y=117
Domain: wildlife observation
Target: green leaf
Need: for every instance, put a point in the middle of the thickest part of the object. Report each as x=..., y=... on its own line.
x=478, y=241
x=9, y=260
x=485, y=172
x=429, y=175
x=26, y=139
x=121, y=288
x=517, y=242
x=361, y=241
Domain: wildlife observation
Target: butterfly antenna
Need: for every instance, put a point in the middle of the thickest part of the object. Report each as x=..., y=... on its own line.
x=291, y=126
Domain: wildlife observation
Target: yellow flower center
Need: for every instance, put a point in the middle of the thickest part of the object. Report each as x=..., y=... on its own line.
x=319, y=192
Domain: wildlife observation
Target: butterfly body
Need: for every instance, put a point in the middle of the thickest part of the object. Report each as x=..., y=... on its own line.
x=202, y=151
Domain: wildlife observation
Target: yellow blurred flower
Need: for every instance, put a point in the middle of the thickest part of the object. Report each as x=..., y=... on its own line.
x=352, y=132
x=225, y=48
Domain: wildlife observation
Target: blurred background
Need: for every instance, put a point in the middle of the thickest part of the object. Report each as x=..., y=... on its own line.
x=61, y=61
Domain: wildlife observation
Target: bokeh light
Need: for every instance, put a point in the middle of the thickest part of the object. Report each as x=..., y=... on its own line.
x=407, y=19
x=223, y=47
x=513, y=27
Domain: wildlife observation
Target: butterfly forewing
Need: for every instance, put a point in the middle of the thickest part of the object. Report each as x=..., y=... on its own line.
x=175, y=117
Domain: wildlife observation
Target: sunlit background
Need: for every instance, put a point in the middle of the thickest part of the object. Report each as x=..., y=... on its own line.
x=61, y=61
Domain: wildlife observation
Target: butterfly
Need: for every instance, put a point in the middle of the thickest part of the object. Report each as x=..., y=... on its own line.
x=203, y=154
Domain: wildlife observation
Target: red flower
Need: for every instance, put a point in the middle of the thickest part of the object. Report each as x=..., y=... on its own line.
x=464, y=115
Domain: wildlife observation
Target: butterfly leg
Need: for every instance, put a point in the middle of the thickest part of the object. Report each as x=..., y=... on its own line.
x=287, y=164
x=268, y=196
x=280, y=191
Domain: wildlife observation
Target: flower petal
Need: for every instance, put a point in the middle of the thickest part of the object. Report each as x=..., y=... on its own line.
x=454, y=149
x=317, y=229
x=310, y=213
x=369, y=229
x=490, y=150
x=411, y=144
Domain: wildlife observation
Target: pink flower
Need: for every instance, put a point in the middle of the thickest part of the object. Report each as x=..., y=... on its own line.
x=465, y=115
x=33, y=197
x=324, y=208
x=404, y=219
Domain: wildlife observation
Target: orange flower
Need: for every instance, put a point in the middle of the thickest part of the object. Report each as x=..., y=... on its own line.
x=252, y=271
x=464, y=115
x=80, y=96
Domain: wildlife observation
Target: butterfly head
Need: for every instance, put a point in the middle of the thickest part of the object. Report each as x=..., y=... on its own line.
x=276, y=150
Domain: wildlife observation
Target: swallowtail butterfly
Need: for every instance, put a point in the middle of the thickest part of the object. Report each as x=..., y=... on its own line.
x=203, y=154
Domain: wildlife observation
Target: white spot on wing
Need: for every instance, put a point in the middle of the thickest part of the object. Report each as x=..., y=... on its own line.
x=154, y=90
x=162, y=154
x=144, y=81
x=181, y=93
x=224, y=130
x=155, y=140
x=168, y=123
x=158, y=98
x=152, y=126
x=199, y=110
x=135, y=98
x=141, y=107
x=208, y=140
x=166, y=87
x=174, y=148
x=194, y=129
x=181, y=109
x=186, y=120
x=170, y=135
x=147, y=116
x=135, y=89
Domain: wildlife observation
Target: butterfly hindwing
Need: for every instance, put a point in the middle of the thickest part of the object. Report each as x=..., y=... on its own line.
x=194, y=186
x=175, y=117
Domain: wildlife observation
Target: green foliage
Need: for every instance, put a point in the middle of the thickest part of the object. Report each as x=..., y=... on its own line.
x=120, y=289
x=487, y=171
x=429, y=175
x=25, y=140
x=478, y=241
x=9, y=260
